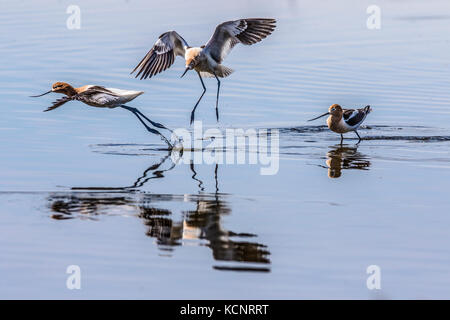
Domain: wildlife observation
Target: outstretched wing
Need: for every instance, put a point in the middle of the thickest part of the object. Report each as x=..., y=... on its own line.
x=58, y=103
x=162, y=55
x=230, y=33
x=94, y=90
x=353, y=117
x=98, y=96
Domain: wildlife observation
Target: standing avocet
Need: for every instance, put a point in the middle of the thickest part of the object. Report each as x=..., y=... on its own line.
x=101, y=97
x=345, y=120
x=207, y=59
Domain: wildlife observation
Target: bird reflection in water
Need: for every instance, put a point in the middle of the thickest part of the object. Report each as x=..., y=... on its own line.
x=342, y=157
x=199, y=226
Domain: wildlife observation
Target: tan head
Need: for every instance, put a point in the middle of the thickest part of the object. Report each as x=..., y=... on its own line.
x=60, y=87
x=64, y=88
x=191, y=57
x=335, y=110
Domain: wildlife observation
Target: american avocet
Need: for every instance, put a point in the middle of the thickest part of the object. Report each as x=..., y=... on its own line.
x=207, y=59
x=101, y=97
x=345, y=120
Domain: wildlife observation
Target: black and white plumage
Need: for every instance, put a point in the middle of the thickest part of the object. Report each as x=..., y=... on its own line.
x=101, y=97
x=345, y=120
x=162, y=55
x=230, y=33
x=206, y=60
x=353, y=118
x=98, y=96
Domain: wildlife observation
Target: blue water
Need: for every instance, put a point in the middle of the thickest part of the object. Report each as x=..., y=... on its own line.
x=90, y=187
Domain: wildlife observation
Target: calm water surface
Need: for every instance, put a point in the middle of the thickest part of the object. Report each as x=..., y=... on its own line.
x=89, y=187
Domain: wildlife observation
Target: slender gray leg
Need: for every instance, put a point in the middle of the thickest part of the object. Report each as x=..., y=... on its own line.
x=154, y=131
x=204, y=90
x=342, y=138
x=358, y=136
x=156, y=124
x=217, y=98
x=215, y=178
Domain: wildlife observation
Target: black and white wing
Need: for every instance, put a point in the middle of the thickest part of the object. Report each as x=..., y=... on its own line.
x=354, y=117
x=95, y=90
x=98, y=95
x=230, y=33
x=162, y=55
x=58, y=103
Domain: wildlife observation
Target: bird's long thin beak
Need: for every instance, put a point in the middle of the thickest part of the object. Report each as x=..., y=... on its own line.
x=325, y=114
x=42, y=94
x=186, y=70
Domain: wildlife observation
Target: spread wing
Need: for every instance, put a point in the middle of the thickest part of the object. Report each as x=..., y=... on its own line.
x=230, y=33
x=94, y=90
x=352, y=117
x=85, y=96
x=58, y=103
x=97, y=95
x=162, y=55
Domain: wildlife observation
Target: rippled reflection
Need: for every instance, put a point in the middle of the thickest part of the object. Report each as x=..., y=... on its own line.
x=155, y=171
x=342, y=157
x=173, y=220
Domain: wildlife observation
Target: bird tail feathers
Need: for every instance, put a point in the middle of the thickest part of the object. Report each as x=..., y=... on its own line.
x=221, y=72
x=224, y=71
